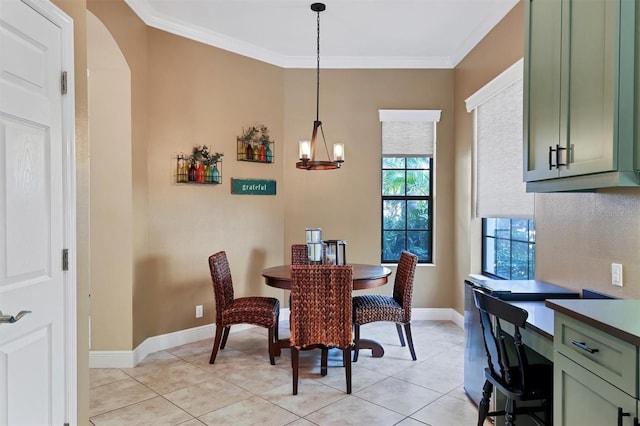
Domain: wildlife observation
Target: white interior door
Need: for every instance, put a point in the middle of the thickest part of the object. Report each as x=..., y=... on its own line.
x=33, y=361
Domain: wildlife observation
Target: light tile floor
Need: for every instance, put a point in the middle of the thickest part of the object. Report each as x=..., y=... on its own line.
x=178, y=386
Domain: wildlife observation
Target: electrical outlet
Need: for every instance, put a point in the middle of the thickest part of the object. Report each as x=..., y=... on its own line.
x=616, y=274
x=199, y=311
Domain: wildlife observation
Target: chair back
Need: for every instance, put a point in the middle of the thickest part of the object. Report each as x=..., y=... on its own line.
x=222, y=282
x=299, y=254
x=403, y=283
x=493, y=314
x=321, y=305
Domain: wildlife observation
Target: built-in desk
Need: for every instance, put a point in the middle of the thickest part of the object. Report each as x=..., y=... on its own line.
x=538, y=334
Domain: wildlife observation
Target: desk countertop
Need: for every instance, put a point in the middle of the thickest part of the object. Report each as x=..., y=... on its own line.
x=618, y=317
x=540, y=317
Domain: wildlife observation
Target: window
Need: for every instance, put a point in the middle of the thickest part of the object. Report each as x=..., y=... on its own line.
x=407, y=207
x=508, y=248
x=408, y=156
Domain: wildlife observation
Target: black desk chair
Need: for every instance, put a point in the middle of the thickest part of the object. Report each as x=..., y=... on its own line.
x=512, y=375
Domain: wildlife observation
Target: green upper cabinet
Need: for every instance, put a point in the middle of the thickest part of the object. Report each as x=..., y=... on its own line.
x=579, y=98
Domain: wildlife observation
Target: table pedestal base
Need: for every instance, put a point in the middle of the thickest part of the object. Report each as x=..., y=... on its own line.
x=377, y=351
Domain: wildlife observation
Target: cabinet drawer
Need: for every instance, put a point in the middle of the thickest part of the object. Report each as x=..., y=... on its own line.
x=612, y=359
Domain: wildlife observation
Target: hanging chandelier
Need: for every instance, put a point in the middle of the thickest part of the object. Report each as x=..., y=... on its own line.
x=307, y=149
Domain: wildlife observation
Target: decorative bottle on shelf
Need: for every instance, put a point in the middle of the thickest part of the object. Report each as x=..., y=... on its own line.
x=249, y=152
x=183, y=170
x=269, y=154
x=262, y=155
x=199, y=172
x=192, y=172
x=215, y=174
x=208, y=173
x=242, y=151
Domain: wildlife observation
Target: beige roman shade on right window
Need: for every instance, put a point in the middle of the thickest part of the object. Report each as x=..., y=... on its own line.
x=497, y=108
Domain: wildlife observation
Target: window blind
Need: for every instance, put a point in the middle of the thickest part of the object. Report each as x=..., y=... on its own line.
x=408, y=132
x=500, y=189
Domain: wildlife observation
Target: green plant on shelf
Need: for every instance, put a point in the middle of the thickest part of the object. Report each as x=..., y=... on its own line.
x=204, y=165
x=254, y=144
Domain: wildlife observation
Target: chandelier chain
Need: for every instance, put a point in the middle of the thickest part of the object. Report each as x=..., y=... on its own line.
x=318, y=70
x=324, y=140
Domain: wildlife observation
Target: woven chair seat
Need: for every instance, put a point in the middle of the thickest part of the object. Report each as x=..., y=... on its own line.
x=373, y=307
x=261, y=311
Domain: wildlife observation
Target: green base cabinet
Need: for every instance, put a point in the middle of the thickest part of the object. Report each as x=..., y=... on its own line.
x=595, y=376
x=580, y=79
x=582, y=398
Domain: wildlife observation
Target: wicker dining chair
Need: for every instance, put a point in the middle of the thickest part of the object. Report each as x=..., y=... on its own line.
x=299, y=254
x=321, y=314
x=256, y=310
x=374, y=307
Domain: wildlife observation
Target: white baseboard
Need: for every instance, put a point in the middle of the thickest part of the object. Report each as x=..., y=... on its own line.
x=129, y=359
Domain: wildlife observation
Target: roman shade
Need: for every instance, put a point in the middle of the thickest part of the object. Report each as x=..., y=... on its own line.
x=497, y=107
x=408, y=132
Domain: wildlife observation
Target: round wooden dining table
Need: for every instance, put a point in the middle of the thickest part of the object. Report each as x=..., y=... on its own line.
x=364, y=277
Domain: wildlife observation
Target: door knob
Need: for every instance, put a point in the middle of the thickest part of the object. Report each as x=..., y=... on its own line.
x=10, y=318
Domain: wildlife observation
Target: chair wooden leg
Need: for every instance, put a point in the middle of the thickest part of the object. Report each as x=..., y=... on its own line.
x=483, y=407
x=407, y=330
x=271, y=348
x=277, y=326
x=346, y=359
x=294, y=368
x=216, y=344
x=400, y=335
x=510, y=413
x=356, y=350
x=324, y=360
x=225, y=336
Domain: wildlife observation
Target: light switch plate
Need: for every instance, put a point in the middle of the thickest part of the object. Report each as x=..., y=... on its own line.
x=616, y=274
x=199, y=311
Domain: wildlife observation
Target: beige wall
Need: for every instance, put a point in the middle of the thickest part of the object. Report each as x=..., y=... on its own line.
x=345, y=203
x=111, y=212
x=579, y=235
x=503, y=46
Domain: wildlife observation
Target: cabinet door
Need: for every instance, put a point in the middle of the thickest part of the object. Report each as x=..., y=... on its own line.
x=582, y=398
x=589, y=43
x=542, y=61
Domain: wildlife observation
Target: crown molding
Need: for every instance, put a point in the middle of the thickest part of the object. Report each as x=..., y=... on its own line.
x=221, y=41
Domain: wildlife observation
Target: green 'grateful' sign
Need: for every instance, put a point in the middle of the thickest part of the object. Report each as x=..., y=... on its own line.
x=253, y=186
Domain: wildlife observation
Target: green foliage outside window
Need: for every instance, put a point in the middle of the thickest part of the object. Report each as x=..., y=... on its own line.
x=508, y=248
x=406, y=207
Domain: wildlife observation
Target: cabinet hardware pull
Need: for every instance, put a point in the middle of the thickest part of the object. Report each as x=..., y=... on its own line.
x=584, y=347
x=551, y=165
x=621, y=415
x=558, y=149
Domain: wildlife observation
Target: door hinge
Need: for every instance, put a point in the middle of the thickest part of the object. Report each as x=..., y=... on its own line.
x=63, y=83
x=65, y=259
